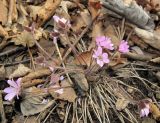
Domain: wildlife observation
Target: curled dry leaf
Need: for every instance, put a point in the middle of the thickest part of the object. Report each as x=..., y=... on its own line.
x=47, y=10
x=81, y=80
x=25, y=38
x=156, y=60
x=3, y=12
x=12, y=13
x=20, y=71
x=121, y=104
x=155, y=111
x=151, y=38
x=33, y=104
x=68, y=92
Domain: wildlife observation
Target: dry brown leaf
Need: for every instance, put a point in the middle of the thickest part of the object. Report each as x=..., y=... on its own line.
x=121, y=103
x=151, y=38
x=156, y=60
x=110, y=32
x=25, y=38
x=47, y=10
x=84, y=58
x=12, y=13
x=3, y=12
x=3, y=32
x=33, y=11
x=34, y=104
x=20, y=71
x=36, y=74
x=155, y=111
x=68, y=92
x=81, y=81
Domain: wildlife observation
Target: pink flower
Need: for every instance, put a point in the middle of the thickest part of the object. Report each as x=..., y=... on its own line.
x=145, y=111
x=61, y=21
x=104, y=42
x=13, y=90
x=123, y=47
x=101, y=57
x=144, y=107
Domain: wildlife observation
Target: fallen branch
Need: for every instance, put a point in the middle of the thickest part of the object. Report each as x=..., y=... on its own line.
x=133, y=13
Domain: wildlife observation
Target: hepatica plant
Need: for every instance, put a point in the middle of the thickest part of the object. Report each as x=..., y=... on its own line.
x=104, y=46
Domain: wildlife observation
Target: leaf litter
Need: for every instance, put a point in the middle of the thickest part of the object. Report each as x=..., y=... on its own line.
x=80, y=61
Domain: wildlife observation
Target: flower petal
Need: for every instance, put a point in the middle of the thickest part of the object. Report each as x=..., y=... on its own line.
x=101, y=63
x=19, y=82
x=105, y=58
x=10, y=90
x=12, y=83
x=10, y=96
x=56, y=18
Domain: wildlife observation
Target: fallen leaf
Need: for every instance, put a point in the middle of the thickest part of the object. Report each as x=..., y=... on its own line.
x=3, y=12
x=25, y=38
x=121, y=103
x=156, y=60
x=151, y=38
x=110, y=32
x=85, y=58
x=34, y=102
x=81, y=80
x=20, y=71
x=155, y=111
x=68, y=92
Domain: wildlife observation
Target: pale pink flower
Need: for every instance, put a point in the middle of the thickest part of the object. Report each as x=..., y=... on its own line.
x=13, y=90
x=144, y=107
x=123, y=47
x=145, y=111
x=104, y=42
x=61, y=21
x=101, y=57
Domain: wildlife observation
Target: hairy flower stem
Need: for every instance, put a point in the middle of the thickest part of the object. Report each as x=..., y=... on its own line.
x=60, y=56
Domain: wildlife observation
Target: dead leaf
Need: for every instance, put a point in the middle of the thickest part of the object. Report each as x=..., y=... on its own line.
x=47, y=10
x=25, y=38
x=155, y=111
x=33, y=104
x=20, y=71
x=68, y=92
x=110, y=32
x=151, y=38
x=12, y=13
x=3, y=32
x=81, y=81
x=84, y=58
x=121, y=103
x=156, y=60
x=3, y=12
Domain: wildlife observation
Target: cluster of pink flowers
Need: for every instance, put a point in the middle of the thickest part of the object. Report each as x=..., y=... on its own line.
x=104, y=42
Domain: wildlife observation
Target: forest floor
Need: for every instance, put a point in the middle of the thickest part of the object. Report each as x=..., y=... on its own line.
x=79, y=61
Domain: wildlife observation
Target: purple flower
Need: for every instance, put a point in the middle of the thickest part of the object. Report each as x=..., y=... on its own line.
x=61, y=21
x=104, y=42
x=145, y=111
x=13, y=90
x=123, y=47
x=101, y=57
